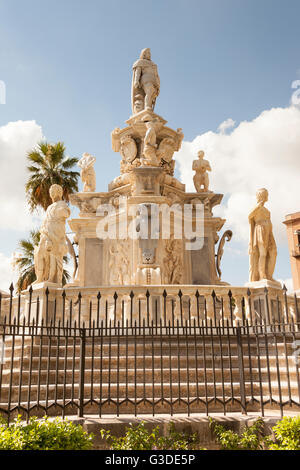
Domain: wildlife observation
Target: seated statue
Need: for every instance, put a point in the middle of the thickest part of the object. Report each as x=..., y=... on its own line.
x=262, y=246
x=48, y=255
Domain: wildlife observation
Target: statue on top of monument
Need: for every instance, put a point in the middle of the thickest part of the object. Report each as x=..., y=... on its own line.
x=145, y=83
x=88, y=175
x=150, y=145
x=201, y=167
x=262, y=246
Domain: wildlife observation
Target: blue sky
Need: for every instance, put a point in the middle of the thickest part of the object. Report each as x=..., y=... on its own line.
x=67, y=66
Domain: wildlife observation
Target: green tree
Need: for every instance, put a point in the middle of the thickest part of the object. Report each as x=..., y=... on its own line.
x=25, y=262
x=49, y=165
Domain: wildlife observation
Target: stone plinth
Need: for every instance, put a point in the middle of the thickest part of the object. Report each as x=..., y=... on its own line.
x=264, y=283
x=44, y=302
x=147, y=181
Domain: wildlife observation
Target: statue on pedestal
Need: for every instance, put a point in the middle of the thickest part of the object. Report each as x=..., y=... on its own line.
x=262, y=246
x=87, y=174
x=145, y=83
x=201, y=167
x=48, y=255
x=150, y=145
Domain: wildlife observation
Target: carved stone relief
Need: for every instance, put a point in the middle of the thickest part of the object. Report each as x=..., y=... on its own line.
x=172, y=262
x=119, y=262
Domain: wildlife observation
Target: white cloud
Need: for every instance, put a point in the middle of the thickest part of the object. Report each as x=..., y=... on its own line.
x=16, y=139
x=7, y=274
x=264, y=152
x=225, y=125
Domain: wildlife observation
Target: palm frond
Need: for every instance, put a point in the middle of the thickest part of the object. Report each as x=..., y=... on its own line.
x=69, y=163
x=50, y=166
x=26, y=278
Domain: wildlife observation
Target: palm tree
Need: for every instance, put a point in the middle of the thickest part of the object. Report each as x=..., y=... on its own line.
x=49, y=165
x=24, y=263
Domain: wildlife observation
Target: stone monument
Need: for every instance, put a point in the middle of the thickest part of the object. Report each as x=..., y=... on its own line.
x=147, y=189
x=146, y=244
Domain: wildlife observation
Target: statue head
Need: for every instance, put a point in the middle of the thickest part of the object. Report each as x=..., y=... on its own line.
x=56, y=192
x=200, y=154
x=262, y=195
x=146, y=54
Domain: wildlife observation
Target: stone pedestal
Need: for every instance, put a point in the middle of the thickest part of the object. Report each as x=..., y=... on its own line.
x=44, y=302
x=264, y=283
x=267, y=300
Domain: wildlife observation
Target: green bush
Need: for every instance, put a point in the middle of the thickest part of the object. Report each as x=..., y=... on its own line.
x=179, y=441
x=139, y=438
x=287, y=434
x=250, y=439
x=43, y=434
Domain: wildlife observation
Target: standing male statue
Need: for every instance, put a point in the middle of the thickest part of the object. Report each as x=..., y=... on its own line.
x=262, y=246
x=48, y=255
x=145, y=83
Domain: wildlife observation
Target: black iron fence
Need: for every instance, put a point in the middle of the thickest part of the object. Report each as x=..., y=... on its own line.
x=149, y=358
x=173, y=368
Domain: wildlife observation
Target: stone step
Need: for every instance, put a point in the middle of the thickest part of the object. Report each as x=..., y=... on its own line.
x=140, y=391
x=148, y=348
x=141, y=375
x=130, y=360
x=127, y=407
